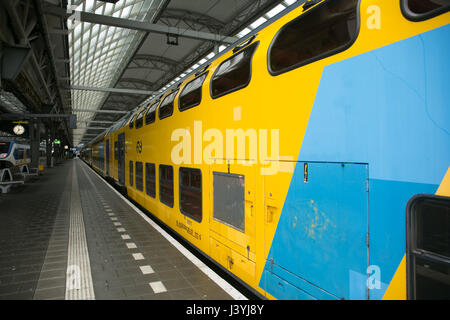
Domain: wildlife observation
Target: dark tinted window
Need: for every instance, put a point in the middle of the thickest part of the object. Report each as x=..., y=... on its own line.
x=166, y=107
x=140, y=119
x=166, y=185
x=4, y=147
x=234, y=73
x=150, y=115
x=132, y=121
x=139, y=176
x=428, y=247
x=426, y=6
x=116, y=150
x=150, y=179
x=19, y=154
x=432, y=280
x=191, y=192
x=318, y=33
x=191, y=95
x=433, y=228
x=131, y=173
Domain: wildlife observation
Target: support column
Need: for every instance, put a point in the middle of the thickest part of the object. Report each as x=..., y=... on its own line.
x=35, y=140
x=48, y=145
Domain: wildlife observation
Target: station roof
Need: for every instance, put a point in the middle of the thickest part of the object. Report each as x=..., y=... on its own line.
x=112, y=56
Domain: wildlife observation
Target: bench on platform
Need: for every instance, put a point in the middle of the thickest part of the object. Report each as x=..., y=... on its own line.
x=6, y=185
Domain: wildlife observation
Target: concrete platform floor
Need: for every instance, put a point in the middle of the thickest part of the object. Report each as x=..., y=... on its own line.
x=69, y=235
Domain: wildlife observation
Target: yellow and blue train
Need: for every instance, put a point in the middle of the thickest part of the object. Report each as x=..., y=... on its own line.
x=310, y=161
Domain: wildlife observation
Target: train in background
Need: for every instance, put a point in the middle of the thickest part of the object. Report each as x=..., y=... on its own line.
x=15, y=158
x=348, y=100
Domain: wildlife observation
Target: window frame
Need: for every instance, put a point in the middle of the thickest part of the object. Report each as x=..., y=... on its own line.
x=147, y=112
x=412, y=251
x=133, y=118
x=201, y=92
x=201, y=192
x=140, y=116
x=321, y=56
x=418, y=17
x=173, y=104
x=256, y=44
x=221, y=219
x=173, y=185
x=136, y=175
x=147, y=179
x=131, y=172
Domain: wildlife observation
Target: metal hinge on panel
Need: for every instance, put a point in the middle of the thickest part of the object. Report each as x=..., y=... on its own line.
x=367, y=185
x=367, y=239
x=230, y=262
x=271, y=265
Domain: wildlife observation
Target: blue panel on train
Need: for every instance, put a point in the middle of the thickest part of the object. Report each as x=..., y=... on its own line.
x=321, y=235
x=387, y=108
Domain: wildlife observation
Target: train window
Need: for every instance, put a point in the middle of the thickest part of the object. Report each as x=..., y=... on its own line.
x=428, y=247
x=229, y=199
x=324, y=30
x=150, y=115
x=166, y=185
x=116, y=150
x=234, y=73
x=139, y=176
x=418, y=10
x=191, y=193
x=19, y=154
x=166, y=107
x=140, y=119
x=150, y=179
x=131, y=125
x=4, y=147
x=131, y=172
x=191, y=95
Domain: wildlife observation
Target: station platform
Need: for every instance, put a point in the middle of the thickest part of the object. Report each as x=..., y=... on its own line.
x=70, y=235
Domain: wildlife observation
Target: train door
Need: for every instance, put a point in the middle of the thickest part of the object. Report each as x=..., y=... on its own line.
x=121, y=158
x=232, y=218
x=107, y=157
x=319, y=249
x=428, y=247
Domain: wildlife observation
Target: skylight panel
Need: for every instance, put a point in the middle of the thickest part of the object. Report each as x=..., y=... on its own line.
x=243, y=32
x=275, y=11
x=258, y=22
x=289, y=2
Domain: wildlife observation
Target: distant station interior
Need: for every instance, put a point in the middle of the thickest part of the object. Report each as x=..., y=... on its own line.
x=224, y=150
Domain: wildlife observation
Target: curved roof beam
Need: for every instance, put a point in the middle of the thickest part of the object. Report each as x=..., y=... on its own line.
x=153, y=62
x=195, y=21
x=135, y=83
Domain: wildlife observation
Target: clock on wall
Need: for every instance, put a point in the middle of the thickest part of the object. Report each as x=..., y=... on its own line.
x=19, y=129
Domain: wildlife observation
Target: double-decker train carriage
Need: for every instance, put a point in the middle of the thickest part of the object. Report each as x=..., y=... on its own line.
x=15, y=157
x=290, y=159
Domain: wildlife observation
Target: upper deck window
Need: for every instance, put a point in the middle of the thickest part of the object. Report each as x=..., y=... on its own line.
x=191, y=95
x=234, y=73
x=166, y=108
x=418, y=10
x=132, y=121
x=140, y=119
x=322, y=31
x=150, y=115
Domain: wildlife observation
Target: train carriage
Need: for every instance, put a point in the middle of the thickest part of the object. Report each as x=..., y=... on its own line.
x=290, y=159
